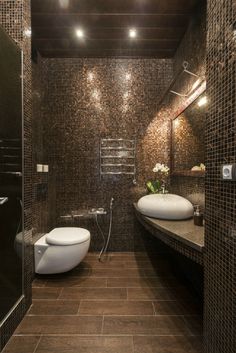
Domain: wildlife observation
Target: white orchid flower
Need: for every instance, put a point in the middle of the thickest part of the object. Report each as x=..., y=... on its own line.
x=159, y=167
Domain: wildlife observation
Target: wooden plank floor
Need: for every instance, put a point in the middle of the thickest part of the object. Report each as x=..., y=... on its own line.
x=125, y=304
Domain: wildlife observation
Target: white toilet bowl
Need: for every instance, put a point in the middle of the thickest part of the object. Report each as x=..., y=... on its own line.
x=61, y=250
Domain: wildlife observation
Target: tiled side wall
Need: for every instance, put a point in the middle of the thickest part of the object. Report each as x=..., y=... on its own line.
x=193, y=50
x=85, y=100
x=220, y=259
x=40, y=207
x=15, y=19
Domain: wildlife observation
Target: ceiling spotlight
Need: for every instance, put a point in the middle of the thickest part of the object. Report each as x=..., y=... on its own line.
x=132, y=33
x=202, y=101
x=79, y=32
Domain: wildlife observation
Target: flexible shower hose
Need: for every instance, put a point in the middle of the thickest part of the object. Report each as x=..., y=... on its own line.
x=106, y=241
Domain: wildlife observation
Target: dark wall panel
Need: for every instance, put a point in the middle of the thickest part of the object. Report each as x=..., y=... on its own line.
x=220, y=260
x=15, y=18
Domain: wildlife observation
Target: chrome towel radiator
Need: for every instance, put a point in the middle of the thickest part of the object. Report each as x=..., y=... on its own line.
x=117, y=157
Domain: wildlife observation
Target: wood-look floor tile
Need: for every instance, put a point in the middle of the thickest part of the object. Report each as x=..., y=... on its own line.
x=129, y=255
x=51, y=307
x=174, y=307
x=21, y=344
x=113, y=272
x=60, y=325
x=195, y=324
x=149, y=325
x=141, y=282
x=94, y=263
x=83, y=281
x=150, y=293
x=91, y=344
x=39, y=282
x=124, y=307
x=93, y=293
x=45, y=293
x=167, y=344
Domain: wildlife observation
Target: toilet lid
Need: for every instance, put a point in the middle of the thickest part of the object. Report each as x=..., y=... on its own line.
x=67, y=236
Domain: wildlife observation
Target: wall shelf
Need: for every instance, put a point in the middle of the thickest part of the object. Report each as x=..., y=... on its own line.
x=189, y=173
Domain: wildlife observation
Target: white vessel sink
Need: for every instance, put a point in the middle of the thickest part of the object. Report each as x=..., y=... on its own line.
x=165, y=206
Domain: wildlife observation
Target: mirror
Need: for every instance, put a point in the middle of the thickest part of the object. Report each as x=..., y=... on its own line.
x=11, y=179
x=188, y=139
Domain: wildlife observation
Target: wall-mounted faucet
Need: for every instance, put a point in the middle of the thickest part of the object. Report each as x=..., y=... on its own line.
x=3, y=200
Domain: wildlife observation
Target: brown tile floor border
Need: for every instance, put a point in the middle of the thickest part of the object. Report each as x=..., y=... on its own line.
x=51, y=307
x=91, y=344
x=148, y=325
x=46, y=293
x=118, y=307
x=22, y=344
x=85, y=282
x=125, y=263
x=194, y=323
x=174, y=307
x=39, y=282
x=167, y=344
x=150, y=293
x=60, y=325
x=141, y=282
x=109, y=272
x=93, y=293
x=113, y=272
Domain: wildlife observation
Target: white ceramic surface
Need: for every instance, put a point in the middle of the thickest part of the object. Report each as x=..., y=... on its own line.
x=50, y=259
x=165, y=206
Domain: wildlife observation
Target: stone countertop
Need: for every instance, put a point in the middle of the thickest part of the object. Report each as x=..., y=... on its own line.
x=183, y=231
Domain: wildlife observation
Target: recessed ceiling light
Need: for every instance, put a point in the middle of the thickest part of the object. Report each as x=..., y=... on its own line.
x=132, y=33
x=79, y=32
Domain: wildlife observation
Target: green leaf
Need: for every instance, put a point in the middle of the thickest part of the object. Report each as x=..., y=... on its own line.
x=153, y=186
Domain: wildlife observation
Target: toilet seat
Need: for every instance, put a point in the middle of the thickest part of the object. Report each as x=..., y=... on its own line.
x=67, y=236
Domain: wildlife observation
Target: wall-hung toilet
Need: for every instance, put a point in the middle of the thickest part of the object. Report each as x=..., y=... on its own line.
x=61, y=250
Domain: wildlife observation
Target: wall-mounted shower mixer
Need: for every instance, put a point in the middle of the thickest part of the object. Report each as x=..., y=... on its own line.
x=101, y=211
x=97, y=211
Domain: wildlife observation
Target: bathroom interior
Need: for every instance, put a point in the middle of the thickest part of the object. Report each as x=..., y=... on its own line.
x=117, y=176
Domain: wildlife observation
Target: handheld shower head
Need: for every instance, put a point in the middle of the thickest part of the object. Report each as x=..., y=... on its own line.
x=111, y=202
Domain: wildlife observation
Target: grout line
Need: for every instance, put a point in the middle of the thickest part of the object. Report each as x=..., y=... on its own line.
x=133, y=343
x=78, y=308
x=154, y=310
x=36, y=347
x=60, y=293
x=102, y=328
x=100, y=335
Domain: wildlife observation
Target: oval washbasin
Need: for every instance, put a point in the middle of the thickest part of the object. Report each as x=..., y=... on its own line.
x=165, y=206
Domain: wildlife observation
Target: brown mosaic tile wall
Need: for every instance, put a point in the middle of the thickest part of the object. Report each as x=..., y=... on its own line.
x=85, y=100
x=40, y=214
x=220, y=260
x=15, y=19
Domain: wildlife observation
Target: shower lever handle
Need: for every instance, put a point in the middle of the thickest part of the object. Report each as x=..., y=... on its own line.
x=3, y=200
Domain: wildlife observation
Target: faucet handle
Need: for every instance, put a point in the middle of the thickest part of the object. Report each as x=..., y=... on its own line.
x=3, y=200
